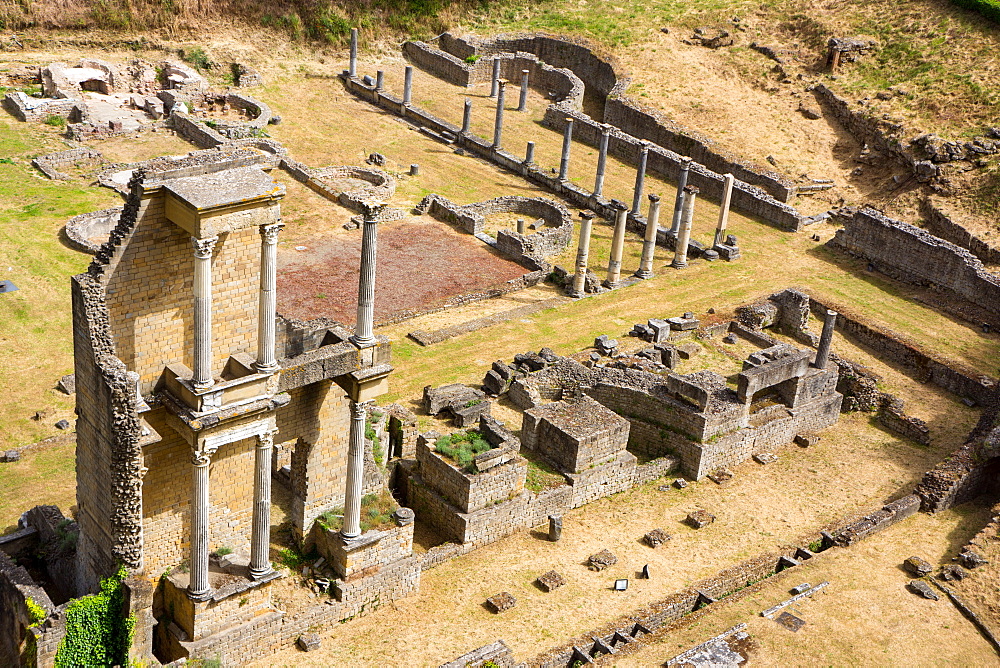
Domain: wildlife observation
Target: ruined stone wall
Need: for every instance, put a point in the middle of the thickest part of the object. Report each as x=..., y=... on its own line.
x=883, y=136
x=603, y=479
x=195, y=132
x=83, y=229
x=913, y=255
x=470, y=492
x=939, y=223
x=316, y=424
x=16, y=587
x=50, y=164
x=151, y=303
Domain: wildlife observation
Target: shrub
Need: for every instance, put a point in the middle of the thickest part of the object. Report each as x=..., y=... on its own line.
x=196, y=56
x=462, y=448
x=55, y=121
x=36, y=613
x=472, y=59
x=988, y=8
x=223, y=551
x=97, y=634
x=376, y=513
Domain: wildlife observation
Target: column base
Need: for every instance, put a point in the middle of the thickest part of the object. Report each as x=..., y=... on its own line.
x=643, y=274
x=200, y=595
x=679, y=265
x=200, y=387
x=363, y=343
x=266, y=368
x=611, y=285
x=260, y=574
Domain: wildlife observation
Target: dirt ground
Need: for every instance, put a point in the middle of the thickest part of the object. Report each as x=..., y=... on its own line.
x=422, y=263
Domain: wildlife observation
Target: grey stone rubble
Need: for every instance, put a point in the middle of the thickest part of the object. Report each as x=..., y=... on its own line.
x=770, y=612
x=501, y=602
x=716, y=651
x=917, y=566
x=551, y=580
x=922, y=589
x=601, y=560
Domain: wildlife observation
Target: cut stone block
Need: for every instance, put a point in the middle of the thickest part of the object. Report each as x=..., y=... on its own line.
x=688, y=350
x=790, y=621
x=659, y=329
x=656, y=538
x=921, y=588
x=765, y=458
x=309, y=642
x=798, y=589
x=501, y=602
x=10, y=456
x=683, y=324
x=67, y=384
x=62, y=424
x=951, y=572
x=680, y=483
x=971, y=560
x=700, y=518
x=720, y=476
x=806, y=440
x=601, y=560
x=551, y=580
x=917, y=566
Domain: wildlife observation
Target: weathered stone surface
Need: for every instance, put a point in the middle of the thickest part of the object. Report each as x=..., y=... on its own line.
x=309, y=642
x=67, y=384
x=798, y=589
x=921, y=588
x=765, y=458
x=555, y=527
x=10, y=456
x=809, y=111
x=656, y=538
x=601, y=560
x=551, y=580
x=680, y=483
x=700, y=518
x=790, y=621
x=62, y=424
x=806, y=440
x=952, y=572
x=604, y=345
x=447, y=396
x=501, y=602
x=971, y=560
x=688, y=350
x=721, y=476
x=917, y=566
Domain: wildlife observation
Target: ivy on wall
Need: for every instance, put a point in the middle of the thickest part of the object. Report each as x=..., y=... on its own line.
x=97, y=633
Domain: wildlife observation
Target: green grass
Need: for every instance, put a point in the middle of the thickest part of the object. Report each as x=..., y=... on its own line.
x=462, y=448
x=376, y=513
x=988, y=8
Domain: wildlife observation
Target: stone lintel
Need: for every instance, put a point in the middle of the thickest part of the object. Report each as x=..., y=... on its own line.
x=200, y=204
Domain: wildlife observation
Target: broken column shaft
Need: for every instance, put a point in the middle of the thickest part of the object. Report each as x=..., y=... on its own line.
x=582, y=253
x=640, y=178
x=649, y=242
x=682, y=180
x=495, y=77
x=407, y=85
x=522, y=104
x=727, y=195
x=353, y=67
x=825, y=340
x=529, y=153
x=467, y=117
x=498, y=124
x=567, y=144
x=602, y=160
x=684, y=233
x=617, y=245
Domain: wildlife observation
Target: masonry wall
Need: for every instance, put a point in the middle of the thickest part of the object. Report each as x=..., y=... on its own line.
x=938, y=222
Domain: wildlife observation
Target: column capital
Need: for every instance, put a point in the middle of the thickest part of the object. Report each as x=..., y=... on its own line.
x=686, y=161
x=269, y=232
x=203, y=248
x=653, y=198
x=265, y=440
x=372, y=210
x=359, y=409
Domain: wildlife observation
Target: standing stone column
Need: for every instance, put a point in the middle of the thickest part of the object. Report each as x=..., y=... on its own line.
x=649, y=242
x=495, y=77
x=602, y=160
x=567, y=144
x=467, y=117
x=582, y=253
x=522, y=104
x=520, y=226
x=498, y=124
x=529, y=153
x=364, y=328
x=682, y=180
x=640, y=178
x=617, y=245
x=825, y=339
x=379, y=80
x=407, y=85
x=260, y=534
x=727, y=196
x=353, y=71
x=355, y=472
x=203, y=312
x=266, y=359
x=684, y=234
x=198, y=587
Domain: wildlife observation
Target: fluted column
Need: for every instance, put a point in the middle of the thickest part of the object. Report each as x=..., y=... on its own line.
x=364, y=329
x=498, y=124
x=825, y=339
x=684, y=233
x=649, y=242
x=582, y=254
x=353, y=68
x=640, y=178
x=355, y=472
x=727, y=196
x=268, y=309
x=682, y=180
x=198, y=587
x=602, y=160
x=260, y=538
x=203, y=312
x=567, y=145
x=617, y=246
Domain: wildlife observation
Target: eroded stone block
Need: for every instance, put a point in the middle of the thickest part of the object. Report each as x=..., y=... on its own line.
x=551, y=580
x=656, y=538
x=700, y=518
x=501, y=602
x=601, y=560
x=917, y=566
x=308, y=642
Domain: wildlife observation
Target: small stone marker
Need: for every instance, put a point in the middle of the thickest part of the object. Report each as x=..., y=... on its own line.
x=501, y=602
x=62, y=424
x=790, y=621
x=644, y=573
x=798, y=589
x=414, y=170
x=730, y=339
x=921, y=588
x=551, y=580
x=308, y=642
x=700, y=518
x=806, y=440
x=917, y=567
x=555, y=527
x=721, y=476
x=765, y=458
x=656, y=538
x=601, y=560
x=680, y=483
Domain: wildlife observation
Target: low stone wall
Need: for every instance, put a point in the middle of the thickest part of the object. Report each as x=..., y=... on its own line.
x=883, y=136
x=939, y=223
x=50, y=164
x=25, y=108
x=195, y=131
x=16, y=588
x=382, y=186
x=84, y=230
x=494, y=655
x=907, y=253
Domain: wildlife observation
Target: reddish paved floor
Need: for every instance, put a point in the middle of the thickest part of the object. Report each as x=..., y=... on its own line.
x=422, y=263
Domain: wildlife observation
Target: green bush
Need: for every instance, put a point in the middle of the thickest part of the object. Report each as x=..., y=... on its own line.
x=462, y=448
x=36, y=613
x=55, y=121
x=988, y=8
x=196, y=56
x=96, y=632
x=223, y=551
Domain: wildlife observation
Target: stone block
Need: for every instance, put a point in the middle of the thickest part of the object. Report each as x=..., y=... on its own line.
x=806, y=440
x=656, y=538
x=468, y=414
x=688, y=350
x=700, y=518
x=531, y=360
x=501, y=602
x=449, y=396
x=62, y=424
x=765, y=458
x=234, y=560
x=680, y=483
x=971, y=560
x=800, y=589
x=917, y=567
x=683, y=324
x=308, y=642
x=67, y=384
x=660, y=329
x=720, y=476
x=730, y=338
x=921, y=588
x=604, y=345
x=951, y=572
x=601, y=560
x=551, y=580
x=10, y=456
x=790, y=621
